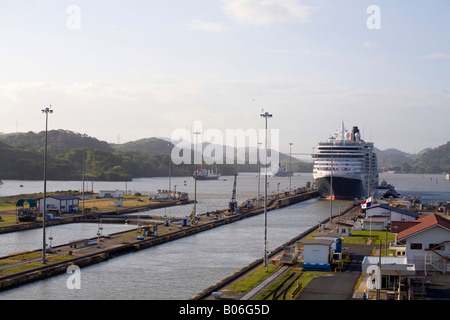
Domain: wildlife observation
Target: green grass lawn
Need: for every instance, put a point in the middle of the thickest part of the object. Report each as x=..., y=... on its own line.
x=249, y=282
x=360, y=237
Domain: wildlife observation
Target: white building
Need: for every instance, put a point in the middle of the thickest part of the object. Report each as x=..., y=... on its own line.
x=427, y=243
x=345, y=228
x=376, y=223
x=66, y=203
x=116, y=194
x=393, y=213
x=317, y=254
x=380, y=216
x=387, y=271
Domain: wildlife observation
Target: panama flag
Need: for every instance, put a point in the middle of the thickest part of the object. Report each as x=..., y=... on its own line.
x=367, y=203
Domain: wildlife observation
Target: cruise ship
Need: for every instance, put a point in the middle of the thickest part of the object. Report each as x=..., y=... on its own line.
x=345, y=166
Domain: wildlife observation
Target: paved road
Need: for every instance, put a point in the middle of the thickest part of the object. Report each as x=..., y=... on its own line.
x=340, y=285
x=438, y=286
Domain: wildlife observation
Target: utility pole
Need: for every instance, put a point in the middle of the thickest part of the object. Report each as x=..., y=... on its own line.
x=170, y=176
x=290, y=167
x=46, y=111
x=196, y=170
x=259, y=175
x=379, y=270
x=84, y=146
x=265, y=115
x=331, y=182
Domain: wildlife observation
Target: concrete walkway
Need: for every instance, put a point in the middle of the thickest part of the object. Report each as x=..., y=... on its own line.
x=339, y=285
x=249, y=295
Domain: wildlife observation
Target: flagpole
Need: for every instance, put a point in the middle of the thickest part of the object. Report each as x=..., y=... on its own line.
x=331, y=183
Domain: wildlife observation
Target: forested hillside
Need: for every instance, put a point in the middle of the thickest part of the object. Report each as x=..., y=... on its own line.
x=433, y=160
x=22, y=157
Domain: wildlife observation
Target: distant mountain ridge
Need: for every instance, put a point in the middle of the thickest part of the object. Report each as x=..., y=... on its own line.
x=433, y=160
x=429, y=160
x=22, y=158
x=149, y=146
x=59, y=141
x=393, y=159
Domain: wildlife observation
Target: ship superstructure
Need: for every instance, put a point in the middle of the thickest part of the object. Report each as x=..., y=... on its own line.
x=204, y=174
x=345, y=166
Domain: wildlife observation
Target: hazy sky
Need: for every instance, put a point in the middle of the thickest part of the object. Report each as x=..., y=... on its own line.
x=126, y=70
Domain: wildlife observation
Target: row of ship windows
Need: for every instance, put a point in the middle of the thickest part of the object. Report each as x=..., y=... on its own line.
x=325, y=160
x=326, y=164
x=338, y=164
x=355, y=162
x=337, y=156
x=337, y=169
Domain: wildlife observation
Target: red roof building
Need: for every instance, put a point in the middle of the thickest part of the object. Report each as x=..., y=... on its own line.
x=424, y=223
x=428, y=232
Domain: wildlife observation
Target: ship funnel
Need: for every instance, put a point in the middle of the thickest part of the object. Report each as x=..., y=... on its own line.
x=355, y=134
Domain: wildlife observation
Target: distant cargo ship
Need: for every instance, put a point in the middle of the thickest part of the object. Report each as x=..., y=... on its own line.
x=203, y=174
x=345, y=166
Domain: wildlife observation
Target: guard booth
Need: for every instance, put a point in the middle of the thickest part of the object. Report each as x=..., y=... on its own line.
x=317, y=254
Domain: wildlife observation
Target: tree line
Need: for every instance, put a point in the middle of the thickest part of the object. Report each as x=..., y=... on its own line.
x=22, y=158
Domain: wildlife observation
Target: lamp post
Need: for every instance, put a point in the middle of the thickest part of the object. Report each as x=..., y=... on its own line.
x=84, y=147
x=170, y=176
x=46, y=111
x=290, y=167
x=196, y=170
x=259, y=176
x=265, y=115
x=331, y=182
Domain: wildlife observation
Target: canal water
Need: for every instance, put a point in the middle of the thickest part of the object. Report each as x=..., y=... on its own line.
x=180, y=269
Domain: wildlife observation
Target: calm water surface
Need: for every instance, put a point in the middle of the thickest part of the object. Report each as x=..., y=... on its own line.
x=182, y=268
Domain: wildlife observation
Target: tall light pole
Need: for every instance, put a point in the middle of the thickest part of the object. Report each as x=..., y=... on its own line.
x=331, y=182
x=265, y=115
x=84, y=146
x=46, y=111
x=290, y=167
x=196, y=170
x=369, y=181
x=170, y=176
x=259, y=175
